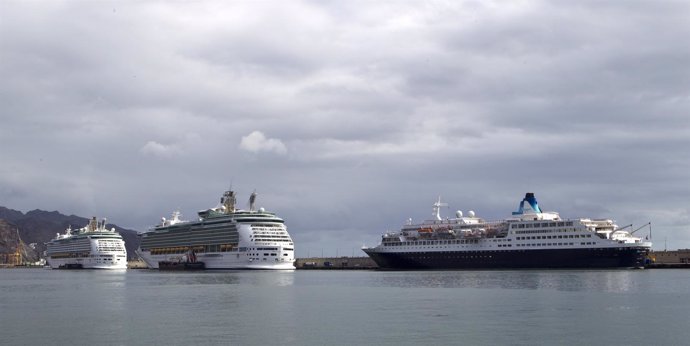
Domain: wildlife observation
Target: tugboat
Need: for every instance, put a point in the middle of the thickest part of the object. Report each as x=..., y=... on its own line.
x=186, y=262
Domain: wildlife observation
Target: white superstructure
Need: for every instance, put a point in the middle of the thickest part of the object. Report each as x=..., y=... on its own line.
x=89, y=247
x=222, y=238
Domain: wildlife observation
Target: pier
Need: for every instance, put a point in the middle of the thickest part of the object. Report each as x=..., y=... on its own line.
x=335, y=263
x=669, y=259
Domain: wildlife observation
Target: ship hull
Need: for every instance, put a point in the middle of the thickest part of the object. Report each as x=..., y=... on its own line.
x=220, y=261
x=85, y=263
x=624, y=257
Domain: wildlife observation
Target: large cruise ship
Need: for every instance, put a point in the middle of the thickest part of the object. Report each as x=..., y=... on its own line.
x=89, y=247
x=530, y=238
x=222, y=238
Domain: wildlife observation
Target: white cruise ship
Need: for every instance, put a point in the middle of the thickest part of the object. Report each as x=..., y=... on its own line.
x=89, y=247
x=222, y=238
x=529, y=238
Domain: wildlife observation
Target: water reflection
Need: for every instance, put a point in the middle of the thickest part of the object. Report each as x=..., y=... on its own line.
x=343, y=307
x=594, y=280
x=264, y=278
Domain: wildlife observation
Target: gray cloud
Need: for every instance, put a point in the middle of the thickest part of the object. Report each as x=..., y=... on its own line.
x=367, y=112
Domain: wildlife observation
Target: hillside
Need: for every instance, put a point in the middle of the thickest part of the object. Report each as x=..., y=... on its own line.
x=39, y=226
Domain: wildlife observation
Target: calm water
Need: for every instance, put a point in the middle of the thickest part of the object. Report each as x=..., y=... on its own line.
x=621, y=307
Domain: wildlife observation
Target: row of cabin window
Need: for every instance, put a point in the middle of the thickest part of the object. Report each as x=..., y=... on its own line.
x=432, y=242
x=198, y=248
x=543, y=224
x=545, y=244
x=553, y=244
x=556, y=237
x=540, y=231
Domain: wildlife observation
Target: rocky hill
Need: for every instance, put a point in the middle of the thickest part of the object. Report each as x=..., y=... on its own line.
x=39, y=226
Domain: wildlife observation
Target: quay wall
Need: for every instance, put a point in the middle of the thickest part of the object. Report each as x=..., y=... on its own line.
x=306, y=263
x=671, y=256
x=335, y=263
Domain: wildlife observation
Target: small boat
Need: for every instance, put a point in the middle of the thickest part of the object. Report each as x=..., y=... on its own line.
x=71, y=266
x=172, y=265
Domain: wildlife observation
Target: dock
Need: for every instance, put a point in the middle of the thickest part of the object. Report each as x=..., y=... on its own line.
x=336, y=263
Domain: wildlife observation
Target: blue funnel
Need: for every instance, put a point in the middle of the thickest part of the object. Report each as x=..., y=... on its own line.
x=532, y=204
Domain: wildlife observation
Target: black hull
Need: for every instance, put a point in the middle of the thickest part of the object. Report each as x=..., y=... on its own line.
x=178, y=266
x=513, y=259
x=71, y=266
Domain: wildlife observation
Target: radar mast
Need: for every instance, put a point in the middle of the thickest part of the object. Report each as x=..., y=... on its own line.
x=228, y=200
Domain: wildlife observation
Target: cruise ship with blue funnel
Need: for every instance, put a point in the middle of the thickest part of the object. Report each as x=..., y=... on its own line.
x=529, y=238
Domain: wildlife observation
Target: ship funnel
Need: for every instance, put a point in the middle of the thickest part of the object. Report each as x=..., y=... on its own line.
x=530, y=207
x=252, y=199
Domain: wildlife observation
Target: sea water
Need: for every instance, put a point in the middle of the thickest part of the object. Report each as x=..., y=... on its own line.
x=329, y=307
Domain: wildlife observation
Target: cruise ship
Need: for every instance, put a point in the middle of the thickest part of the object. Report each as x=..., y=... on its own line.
x=529, y=238
x=222, y=238
x=89, y=247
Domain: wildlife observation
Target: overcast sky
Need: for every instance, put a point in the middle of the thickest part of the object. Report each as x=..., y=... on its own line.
x=348, y=117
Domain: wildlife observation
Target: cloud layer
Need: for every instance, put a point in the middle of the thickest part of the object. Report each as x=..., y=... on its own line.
x=347, y=117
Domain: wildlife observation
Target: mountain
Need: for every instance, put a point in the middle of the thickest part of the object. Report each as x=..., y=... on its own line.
x=39, y=226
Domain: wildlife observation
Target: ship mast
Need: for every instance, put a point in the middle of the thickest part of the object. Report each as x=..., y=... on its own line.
x=228, y=200
x=93, y=225
x=437, y=208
